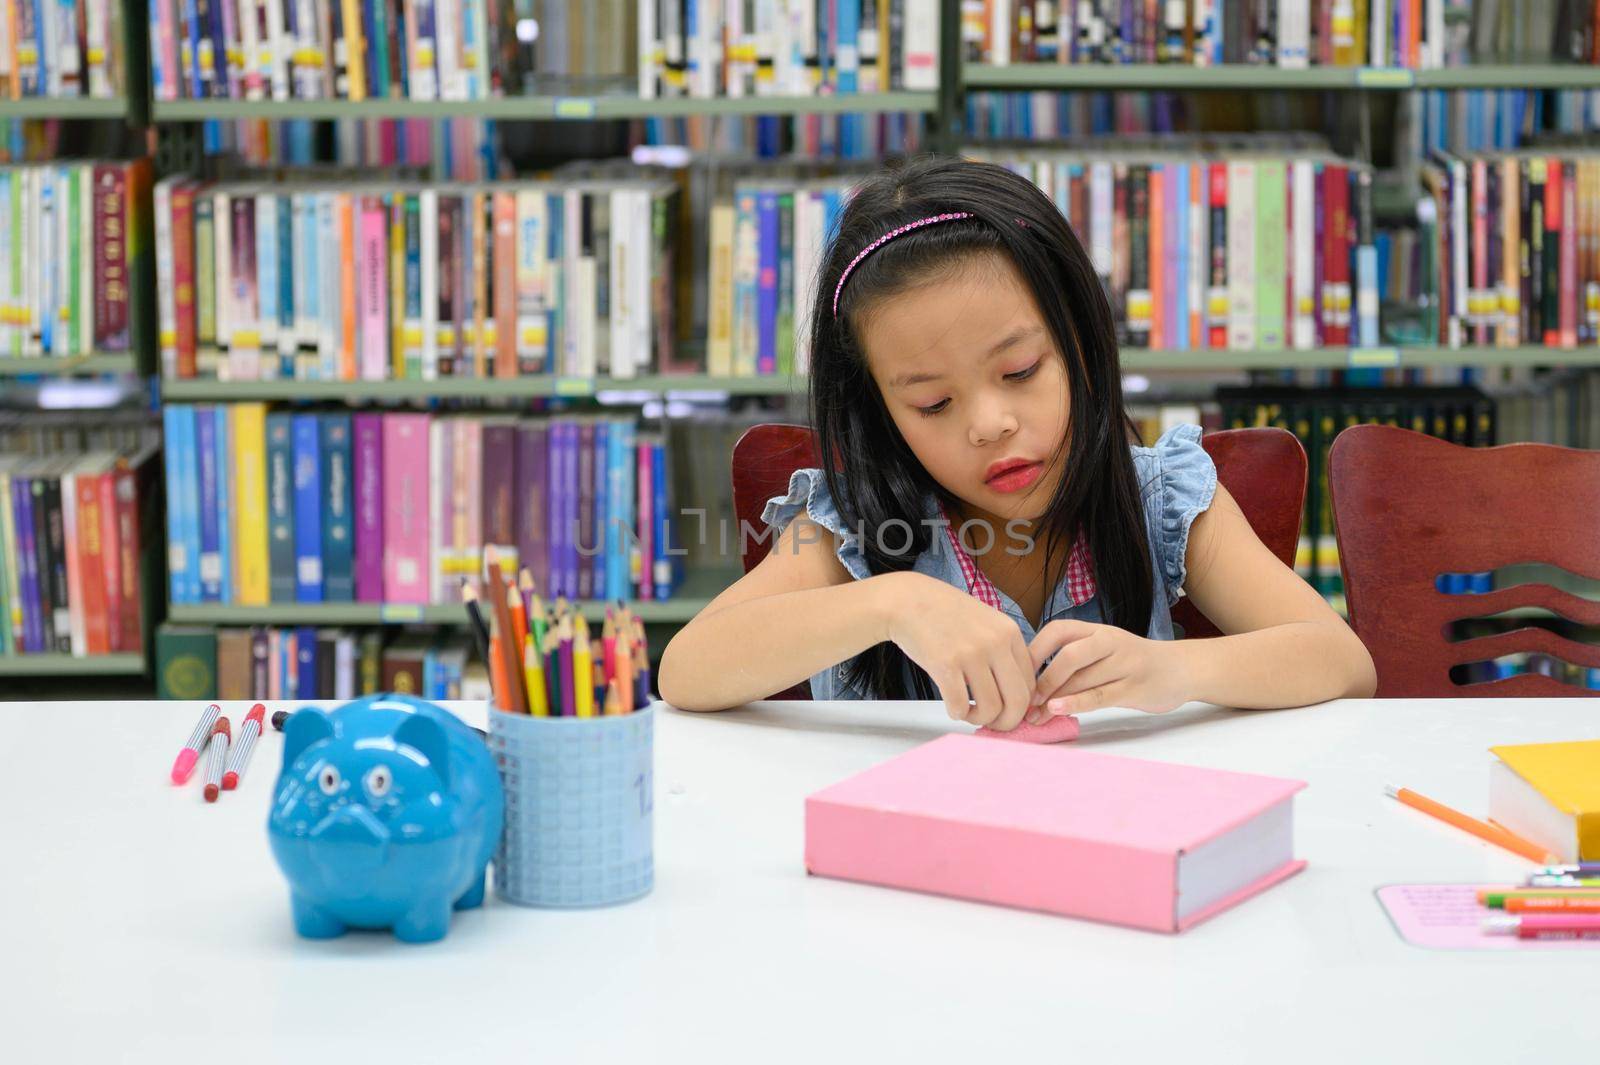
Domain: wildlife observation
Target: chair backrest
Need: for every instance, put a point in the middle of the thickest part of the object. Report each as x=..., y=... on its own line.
x=1264, y=470
x=1408, y=508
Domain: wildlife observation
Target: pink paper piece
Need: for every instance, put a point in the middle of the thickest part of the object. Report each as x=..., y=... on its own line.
x=1448, y=917
x=1055, y=730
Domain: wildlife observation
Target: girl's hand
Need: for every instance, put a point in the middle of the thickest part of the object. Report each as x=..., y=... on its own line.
x=1101, y=665
x=965, y=647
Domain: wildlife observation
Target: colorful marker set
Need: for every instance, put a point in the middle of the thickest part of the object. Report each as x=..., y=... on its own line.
x=546, y=662
x=1557, y=902
x=225, y=759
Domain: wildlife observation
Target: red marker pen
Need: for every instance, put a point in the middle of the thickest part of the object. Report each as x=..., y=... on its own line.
x=216, y=755
x=183, y=765
x=239, y=753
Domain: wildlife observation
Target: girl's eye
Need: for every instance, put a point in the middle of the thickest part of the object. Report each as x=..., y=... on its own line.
x=928, y=412
x=1023, y=375
x=328, y=780
x=379, y=781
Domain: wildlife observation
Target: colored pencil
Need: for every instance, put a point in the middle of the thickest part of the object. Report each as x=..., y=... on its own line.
x=1495, y=898
x=534, y=606
x=239, y=754
x=1572, y=869
x=1482, y=829
x=1553, y=903
x=613, y=707
x=480, y=629
x=533, y=670
x=1544, y=926
x=500, y=688
x=183, y=765
x=582, y=668
x=519, y=618
x=1527, y=843
x=569, y=685
x=1563, y=881
x=622, y=671
x=608, y=641
x=552, y=673
x=216, y=756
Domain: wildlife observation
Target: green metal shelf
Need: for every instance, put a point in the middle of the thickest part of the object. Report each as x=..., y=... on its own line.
x=64, y=107
x=62, y=366
x=208, y=390
x=577, y=108
x=1143, y=76
x=47, y=665
x=1209, y=360
x=698, y=589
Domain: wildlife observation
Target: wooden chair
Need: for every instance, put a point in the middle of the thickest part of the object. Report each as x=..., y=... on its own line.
x=1264, y=469
x=1409, y=507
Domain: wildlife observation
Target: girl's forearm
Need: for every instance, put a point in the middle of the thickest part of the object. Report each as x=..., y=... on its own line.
x=747, y=650
x=1286, y=665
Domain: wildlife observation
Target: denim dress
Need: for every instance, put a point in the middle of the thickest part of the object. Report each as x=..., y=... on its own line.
x=1177, y=481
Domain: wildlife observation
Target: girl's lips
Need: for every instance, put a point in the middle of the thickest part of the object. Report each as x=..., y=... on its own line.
x=1015, y=478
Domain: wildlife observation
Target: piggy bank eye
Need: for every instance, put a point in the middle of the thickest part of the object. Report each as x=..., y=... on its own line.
x=329, y=780
x=379, y=781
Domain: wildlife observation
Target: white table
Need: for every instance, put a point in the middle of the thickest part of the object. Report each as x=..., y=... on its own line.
x=139, y=924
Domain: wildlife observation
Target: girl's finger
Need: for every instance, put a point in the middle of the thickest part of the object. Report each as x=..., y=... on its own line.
x=1056, y=635
x=1095, y=675
x=1091, y=699
x=1073, y=657
x=986, y=703
x=953, y=690
x=1016, y=689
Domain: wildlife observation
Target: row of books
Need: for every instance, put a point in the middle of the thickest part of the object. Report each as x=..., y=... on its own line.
x=1254, y=250
x=787, y=47
x=280, y=507
x=69, y=236
x=61, y=48
x=1413, y=34
x=304, y=662
x=335, y=49
x=378, y=281
x=864, y=137
x=74, y=501
x=1521, y=664
x=1511, y=246
x=453, y=149
x=1460, y=415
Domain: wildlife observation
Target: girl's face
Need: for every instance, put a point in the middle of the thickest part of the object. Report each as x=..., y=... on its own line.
x=976, y=386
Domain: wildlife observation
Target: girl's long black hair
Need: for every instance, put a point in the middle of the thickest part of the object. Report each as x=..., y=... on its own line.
x=872, y=474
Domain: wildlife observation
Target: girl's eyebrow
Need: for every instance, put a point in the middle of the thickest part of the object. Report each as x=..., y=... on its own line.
x=1010, y=340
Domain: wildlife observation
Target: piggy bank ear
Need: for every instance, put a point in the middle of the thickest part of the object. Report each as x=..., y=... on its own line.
x=304, y=727
x=428, y=738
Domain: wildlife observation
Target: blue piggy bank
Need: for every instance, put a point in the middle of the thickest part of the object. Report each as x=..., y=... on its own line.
x=385, y=815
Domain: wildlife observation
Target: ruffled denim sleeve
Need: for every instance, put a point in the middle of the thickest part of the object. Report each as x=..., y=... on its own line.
x=808, y=494
x=1178, y=482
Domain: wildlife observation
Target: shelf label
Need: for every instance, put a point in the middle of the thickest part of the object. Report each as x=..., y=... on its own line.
x=574, y=386
x=1385, y=78
x=574, y=107
x=1370, y=358
x=408, y=613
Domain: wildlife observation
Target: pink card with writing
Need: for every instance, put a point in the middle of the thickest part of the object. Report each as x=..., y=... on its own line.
x=1449, y=917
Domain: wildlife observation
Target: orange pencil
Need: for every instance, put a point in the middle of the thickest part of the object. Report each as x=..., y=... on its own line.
x=1482, y=829
x=613, y=706
x=498, y=683
x=1557, y=903
x=519, y=619
x=623, y=670
x=1524, y=840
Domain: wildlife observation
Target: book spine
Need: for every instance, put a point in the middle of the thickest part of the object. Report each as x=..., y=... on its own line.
x=498, y=466
x=428, y=222
x=1336, y=261
x=1270, y=263
x=1242, y=310
x=601, y=476
x=1570, y=289
x=372, y=277
x=720, y=314
x=367, y=481
x=97, y=517
x=746, y=280
x=585, y=548
x=280, y=508
x=441, y=529
x=72, y=549
x=644, y=464
x=251, y=510
x=786, y=286
x=506, y=363
x=56, y=542
x=26, y=559
x=532, y=245
x=210, y=548
x=307, y=508
x=405, y=508
x=767, y=222
x=1303, y=305
x=1553, y=209
x=338, y=526
x=111, y=217
x=1366, y=264
x=531, y=500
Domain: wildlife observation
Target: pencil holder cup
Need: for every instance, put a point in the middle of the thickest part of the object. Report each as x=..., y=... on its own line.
x=579, y=824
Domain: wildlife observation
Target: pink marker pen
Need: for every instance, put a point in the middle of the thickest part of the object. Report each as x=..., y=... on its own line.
x=183, y=765
x=1544, y=925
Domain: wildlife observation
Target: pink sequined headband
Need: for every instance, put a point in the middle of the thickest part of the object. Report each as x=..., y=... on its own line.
x=886, y=238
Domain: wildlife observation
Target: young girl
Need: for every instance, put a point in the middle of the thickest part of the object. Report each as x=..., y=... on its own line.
x=986, y=535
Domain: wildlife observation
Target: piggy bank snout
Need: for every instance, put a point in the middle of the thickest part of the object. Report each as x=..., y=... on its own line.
x=360, y=835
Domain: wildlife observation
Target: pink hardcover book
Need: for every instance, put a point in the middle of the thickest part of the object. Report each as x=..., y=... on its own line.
x=1144, y=844
x=405, y=508
x=373, y=291
x=647, y=519
x=470, y=490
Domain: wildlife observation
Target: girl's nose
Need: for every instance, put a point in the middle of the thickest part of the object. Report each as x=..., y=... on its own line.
x=991, y=423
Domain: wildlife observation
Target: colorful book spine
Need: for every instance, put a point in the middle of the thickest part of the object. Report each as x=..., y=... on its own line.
x=308, y=499
x=368, y=482
x=405, y=493
x=280, y=508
